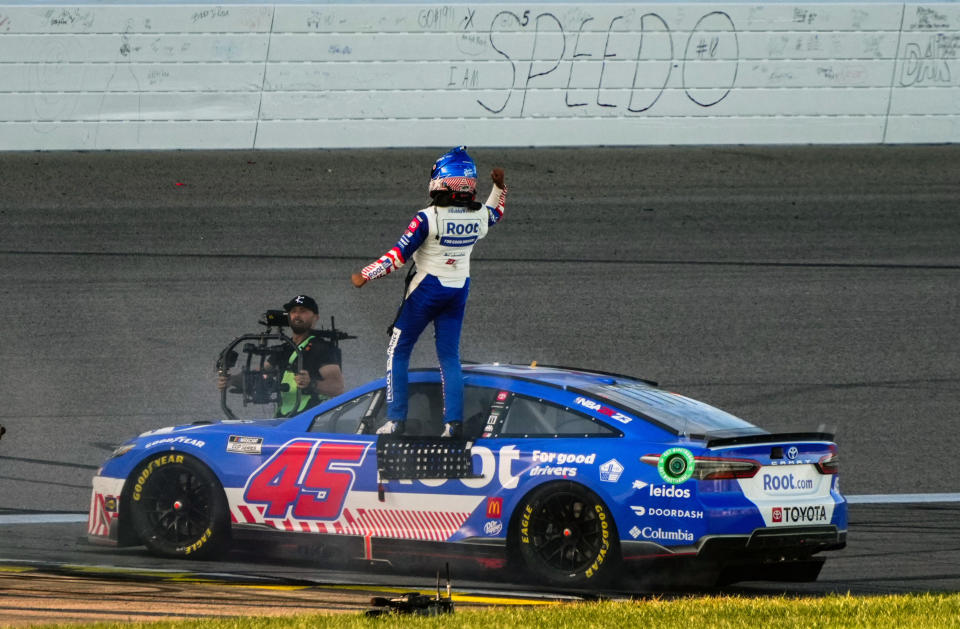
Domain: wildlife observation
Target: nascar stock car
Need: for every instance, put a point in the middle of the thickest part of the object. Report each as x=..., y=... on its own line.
x=573, y=475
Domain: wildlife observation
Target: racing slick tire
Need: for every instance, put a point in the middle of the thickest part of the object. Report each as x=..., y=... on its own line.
x=566, y=535
x=178, y=508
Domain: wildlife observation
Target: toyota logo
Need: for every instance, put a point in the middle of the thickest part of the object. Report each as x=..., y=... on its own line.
x=792, y=452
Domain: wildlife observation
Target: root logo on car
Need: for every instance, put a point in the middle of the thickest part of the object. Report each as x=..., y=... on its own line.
x=786, y=483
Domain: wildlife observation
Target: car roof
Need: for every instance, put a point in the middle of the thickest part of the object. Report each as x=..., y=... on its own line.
x=674, y=412
x=563, y=377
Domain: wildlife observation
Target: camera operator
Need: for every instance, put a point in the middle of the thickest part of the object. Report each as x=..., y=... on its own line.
x=320, y=377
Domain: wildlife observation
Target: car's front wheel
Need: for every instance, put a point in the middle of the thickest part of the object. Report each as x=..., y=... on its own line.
x=566, y=535
x=177, y=507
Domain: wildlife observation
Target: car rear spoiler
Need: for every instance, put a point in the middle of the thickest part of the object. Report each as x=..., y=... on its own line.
x=715, y=442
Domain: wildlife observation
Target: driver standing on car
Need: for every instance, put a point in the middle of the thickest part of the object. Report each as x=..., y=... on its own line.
x=320, y=378
x=439, y=239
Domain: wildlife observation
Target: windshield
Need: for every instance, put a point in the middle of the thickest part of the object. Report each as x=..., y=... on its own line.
x=681, y=414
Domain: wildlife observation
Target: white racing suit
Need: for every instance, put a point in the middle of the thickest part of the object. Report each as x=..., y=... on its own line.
x=440, y=240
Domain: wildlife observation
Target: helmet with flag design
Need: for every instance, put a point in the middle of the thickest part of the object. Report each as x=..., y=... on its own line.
x=454, y=177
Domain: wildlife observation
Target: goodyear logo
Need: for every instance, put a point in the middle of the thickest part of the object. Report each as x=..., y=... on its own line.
x=148, y=470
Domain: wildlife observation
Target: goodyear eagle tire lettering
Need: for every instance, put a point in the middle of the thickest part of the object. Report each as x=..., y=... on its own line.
x=178, y=508
x=566, y=535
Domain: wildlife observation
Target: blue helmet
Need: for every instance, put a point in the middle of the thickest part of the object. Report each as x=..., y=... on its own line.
x=454, y=172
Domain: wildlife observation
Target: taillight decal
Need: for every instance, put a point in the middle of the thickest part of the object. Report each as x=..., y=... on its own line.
x=705, y=467
x=716, y=468
x=829, y=463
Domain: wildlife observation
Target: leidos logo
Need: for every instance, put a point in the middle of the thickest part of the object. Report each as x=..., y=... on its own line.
x=494, y=507
x=670, y=491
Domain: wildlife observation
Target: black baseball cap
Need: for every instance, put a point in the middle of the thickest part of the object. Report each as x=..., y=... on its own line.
x=302, y=300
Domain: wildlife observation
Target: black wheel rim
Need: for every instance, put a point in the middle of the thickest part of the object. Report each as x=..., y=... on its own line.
x=566, y=532
x=176, y=503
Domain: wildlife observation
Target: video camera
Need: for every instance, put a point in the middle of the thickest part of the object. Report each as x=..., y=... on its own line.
x=281, y=319
x=266, y=352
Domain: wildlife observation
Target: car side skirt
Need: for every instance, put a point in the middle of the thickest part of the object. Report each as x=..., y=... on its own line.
x=798, y=542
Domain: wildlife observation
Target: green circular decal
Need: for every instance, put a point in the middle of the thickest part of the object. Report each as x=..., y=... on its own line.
x=675, y=465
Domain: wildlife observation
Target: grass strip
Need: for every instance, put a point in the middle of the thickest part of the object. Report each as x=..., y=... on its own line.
x=911, y=611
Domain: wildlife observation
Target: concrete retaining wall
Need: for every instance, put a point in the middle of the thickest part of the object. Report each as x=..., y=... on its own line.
x=241, y=75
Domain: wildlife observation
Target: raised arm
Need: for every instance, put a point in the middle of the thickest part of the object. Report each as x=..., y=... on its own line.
x=397, y=256
x=498, y=197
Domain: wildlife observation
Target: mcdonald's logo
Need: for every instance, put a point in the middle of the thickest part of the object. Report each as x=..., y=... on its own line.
x=494, y=507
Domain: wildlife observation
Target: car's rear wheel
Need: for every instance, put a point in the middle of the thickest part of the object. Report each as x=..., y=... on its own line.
x=178, y=508
x=566, y=535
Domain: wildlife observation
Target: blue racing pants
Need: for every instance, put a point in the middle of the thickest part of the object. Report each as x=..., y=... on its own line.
x=429, y=301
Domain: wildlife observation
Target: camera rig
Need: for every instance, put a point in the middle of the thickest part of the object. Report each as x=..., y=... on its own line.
x=261, y=376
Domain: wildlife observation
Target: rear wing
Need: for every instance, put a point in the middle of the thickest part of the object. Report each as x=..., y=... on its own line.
x=768, y=438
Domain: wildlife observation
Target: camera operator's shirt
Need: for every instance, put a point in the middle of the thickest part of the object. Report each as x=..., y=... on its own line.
x=316, y=353
x=440, y=240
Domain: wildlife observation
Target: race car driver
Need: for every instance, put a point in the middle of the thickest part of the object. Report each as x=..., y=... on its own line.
x=440, y=239
x=320, y=378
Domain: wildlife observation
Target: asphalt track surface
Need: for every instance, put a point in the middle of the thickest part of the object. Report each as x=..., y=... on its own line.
x=801, y=288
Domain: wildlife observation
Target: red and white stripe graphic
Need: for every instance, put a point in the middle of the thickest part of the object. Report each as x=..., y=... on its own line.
x=98, y=522
x=98, y=518
x=366, y=517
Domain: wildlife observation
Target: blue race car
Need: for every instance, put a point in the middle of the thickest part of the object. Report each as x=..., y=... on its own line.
x=572, y=474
